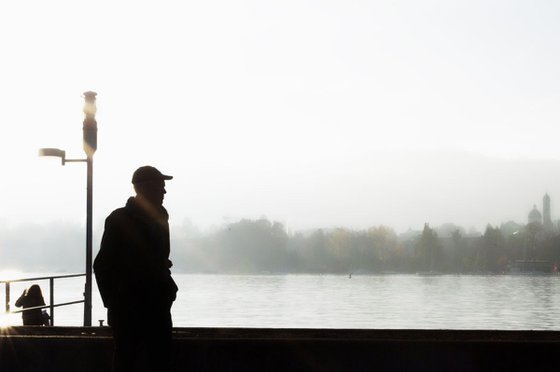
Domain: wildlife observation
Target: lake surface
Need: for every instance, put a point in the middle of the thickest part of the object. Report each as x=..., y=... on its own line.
x=336, y=301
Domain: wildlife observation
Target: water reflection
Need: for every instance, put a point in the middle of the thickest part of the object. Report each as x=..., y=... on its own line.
x=336, y=301
x=391, y=301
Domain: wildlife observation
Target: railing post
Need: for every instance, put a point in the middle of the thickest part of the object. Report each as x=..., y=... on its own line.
x=7, y=297
x=51, y=284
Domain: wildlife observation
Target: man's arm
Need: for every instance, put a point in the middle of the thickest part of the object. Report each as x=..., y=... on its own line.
x=106, y=264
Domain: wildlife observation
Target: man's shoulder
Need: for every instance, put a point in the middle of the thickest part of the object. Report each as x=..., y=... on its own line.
x=118, y=213
x=116, y=216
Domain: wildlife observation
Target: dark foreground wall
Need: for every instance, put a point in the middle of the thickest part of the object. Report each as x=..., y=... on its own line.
x=233, y=349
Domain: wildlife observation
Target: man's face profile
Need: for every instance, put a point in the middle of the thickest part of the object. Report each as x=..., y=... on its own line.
x=152, y=190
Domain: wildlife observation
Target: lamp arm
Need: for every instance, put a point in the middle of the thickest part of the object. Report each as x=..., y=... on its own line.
x=74, y=161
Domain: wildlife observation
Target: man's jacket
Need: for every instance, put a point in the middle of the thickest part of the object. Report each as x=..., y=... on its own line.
x=132, y=266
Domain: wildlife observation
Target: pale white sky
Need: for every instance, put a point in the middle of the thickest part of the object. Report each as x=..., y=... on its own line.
x=313, y=113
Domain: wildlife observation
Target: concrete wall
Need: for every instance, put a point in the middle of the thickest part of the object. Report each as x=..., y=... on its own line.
x=230, y=349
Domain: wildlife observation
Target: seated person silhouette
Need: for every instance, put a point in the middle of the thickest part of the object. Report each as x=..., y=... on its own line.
x=32, y=297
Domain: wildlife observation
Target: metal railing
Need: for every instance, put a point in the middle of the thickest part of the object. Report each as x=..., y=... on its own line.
x=51, y=304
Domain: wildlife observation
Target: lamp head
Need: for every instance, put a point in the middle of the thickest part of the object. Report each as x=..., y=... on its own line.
x=90, y=124
x=90, y=109
x=49, y=151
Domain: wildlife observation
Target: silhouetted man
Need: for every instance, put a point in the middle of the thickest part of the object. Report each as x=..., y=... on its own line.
x=133, y=276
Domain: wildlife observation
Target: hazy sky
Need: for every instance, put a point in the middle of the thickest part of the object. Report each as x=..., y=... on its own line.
x=313, y=113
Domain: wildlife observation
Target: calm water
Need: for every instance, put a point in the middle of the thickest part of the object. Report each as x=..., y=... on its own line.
x=335, y=301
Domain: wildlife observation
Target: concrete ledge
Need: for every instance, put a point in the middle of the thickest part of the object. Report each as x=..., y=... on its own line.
x=242, y=349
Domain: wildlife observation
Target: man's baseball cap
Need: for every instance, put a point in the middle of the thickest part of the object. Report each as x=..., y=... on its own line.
x=148, y=173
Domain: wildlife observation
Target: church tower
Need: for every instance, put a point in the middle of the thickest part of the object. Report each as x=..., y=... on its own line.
x=547, y=220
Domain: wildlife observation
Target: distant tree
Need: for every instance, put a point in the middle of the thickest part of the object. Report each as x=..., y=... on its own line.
x=509, y=228
x=552, y=249
x=516, y=244
x=362, y=252
x=448, y=229
x=295, y=261
x=251, y=246
x=340, y=250
x=492, y=252
x=429, y=250
x=314, y=255
x=382, y=255
x=459, y=252
x=532, y=230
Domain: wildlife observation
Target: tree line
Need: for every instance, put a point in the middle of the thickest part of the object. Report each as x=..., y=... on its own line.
x=263, y=246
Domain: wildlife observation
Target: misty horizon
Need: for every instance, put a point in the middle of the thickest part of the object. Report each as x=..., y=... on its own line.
x=60, y=247
x=466, y=189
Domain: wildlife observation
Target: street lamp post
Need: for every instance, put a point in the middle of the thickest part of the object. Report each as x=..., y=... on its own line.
x=90, y=146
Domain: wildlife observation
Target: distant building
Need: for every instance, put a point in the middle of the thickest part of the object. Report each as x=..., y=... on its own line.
x=543, y=220
x=547, y=219
x=535, y=216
